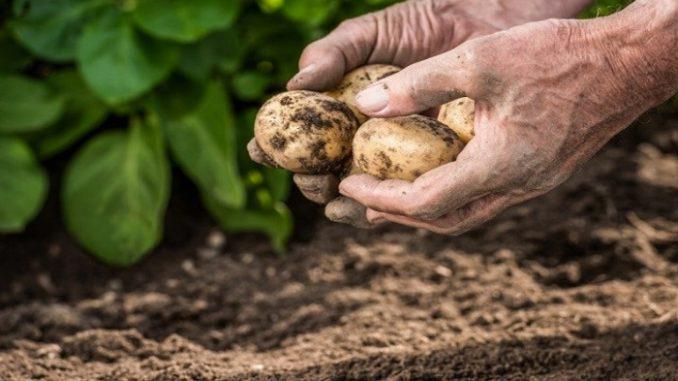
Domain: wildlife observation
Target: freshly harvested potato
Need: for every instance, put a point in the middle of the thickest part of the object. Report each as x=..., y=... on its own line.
x=459, y=116
x=357, y=80
x=404, y=147
x=306, y=132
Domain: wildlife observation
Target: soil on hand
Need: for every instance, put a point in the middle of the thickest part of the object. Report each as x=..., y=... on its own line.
x=581, y=284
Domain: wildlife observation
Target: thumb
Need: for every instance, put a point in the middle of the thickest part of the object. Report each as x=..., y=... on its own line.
x=324, y=62
x=421, y=86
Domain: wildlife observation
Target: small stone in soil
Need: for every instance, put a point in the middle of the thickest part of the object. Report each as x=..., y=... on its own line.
x=50, y=351
x=115, y=284
x=505, y=255
x=54, y=250
x=216, y=239
x=258, y=367
x=206, y=253
x=188, y=267
x=150, y=301
x=247, y=258
x=443, y=271
x=45, y=282
x=199, y=305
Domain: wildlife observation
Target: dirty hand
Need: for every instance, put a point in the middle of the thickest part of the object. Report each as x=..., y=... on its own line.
x=400, y=35
x=548, y=96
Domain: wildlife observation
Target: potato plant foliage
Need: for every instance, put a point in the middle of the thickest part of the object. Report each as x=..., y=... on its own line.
x=122, y=90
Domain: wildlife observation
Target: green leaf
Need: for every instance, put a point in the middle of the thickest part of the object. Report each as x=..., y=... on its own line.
x=203, y=142
x=221, y=50
x=278, y=182
x=119, y=63
x=26, y=105
x=310, y=12
x=245, y=133
x=23, y=185
x=277, y=42
x=12, y=56
x=83, y=113
x=276, y=222
x=257, y=27
x=182, y=20
x=51, y=28
x=115, y=194
x=601, y=8
x=177, y=96
x=250, y=85
x=270, y=6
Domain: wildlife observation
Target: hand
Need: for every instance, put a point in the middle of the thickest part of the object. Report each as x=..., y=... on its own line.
x=414, y=30
x=399, y=35
x=548, y=96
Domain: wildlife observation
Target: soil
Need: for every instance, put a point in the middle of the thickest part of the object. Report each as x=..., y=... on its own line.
x=580, y=284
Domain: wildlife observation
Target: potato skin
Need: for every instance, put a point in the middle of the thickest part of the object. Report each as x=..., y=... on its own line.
x=306, y=132
x=404, y=147
x=357, y=80
x=459, y=115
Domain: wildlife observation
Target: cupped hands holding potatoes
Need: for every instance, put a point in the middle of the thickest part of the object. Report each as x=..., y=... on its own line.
x=548, y=95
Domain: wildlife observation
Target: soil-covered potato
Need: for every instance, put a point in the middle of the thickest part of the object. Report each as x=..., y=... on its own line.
x=357, y=80
x=404, y=147
x=459, y=116
x=306, y=132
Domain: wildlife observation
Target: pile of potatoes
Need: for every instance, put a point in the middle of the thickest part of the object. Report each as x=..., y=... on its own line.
x=321, y=133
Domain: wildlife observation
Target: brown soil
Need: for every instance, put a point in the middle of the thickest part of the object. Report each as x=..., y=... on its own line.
x=581, y=284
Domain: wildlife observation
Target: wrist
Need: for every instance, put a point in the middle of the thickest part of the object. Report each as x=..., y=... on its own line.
x=640, y=46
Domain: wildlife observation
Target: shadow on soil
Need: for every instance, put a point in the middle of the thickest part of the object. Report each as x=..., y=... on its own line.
x=634, y=352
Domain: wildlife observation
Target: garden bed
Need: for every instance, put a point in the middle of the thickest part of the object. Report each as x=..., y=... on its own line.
x=579, y=284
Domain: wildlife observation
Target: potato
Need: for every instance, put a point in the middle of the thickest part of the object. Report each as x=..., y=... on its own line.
x=357, y=80
x=459, y=116
x=306, y=132
x=404, y=147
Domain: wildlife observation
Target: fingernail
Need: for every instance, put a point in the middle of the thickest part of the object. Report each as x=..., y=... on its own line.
x=373, y=98
x=303, y=73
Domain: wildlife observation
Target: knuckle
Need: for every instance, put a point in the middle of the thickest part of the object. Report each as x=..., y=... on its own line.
x=470, y=54
x=352, y=39
x=422, y=77
x=348, y=24
x=357, y=25
x=313, y=47
x=478, y=57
